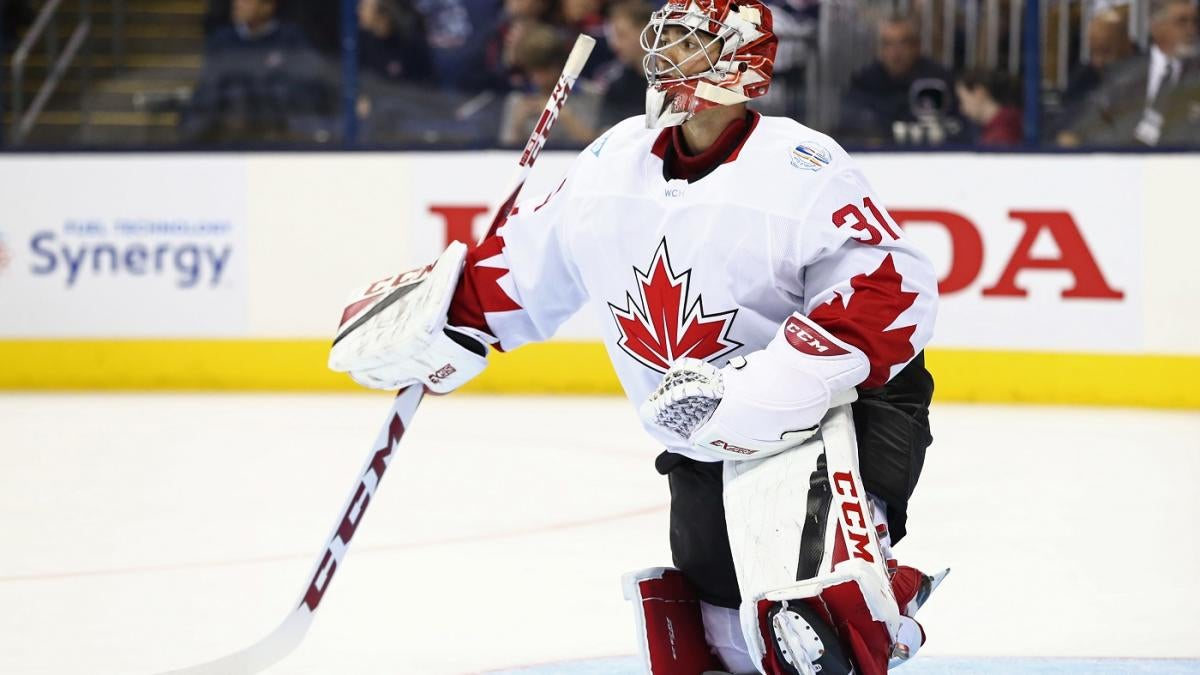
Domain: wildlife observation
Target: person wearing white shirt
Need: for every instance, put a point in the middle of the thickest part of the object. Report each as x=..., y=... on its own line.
x=1154, y=99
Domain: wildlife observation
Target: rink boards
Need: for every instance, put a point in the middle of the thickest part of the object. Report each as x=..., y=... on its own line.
x=1065, y=278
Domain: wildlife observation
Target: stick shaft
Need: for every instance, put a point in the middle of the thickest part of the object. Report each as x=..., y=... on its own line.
x=541, y=131
x=288, y=635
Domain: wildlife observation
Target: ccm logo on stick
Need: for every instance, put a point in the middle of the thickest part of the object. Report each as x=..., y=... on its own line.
x=352, y=517
x=853, y=517
x=807, y=340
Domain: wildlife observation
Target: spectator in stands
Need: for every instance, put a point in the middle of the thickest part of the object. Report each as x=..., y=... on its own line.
x=1152, y=99
x=456, y=30
x=319, y=20
x=465, y=39
x=991, y=100
x=539, y=53
x=586, y=17
x=261, y=81
x=391, y=41
x=583, y=16
x=392, y=53
x=526, y=10
x=518, y=16
x=1108, y=46
x=622, y=82
x=902, y=97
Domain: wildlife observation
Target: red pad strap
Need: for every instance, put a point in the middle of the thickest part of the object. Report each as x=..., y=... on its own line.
x=911, y=587
x=868, y=640
x=865, y=650
x=674, y=626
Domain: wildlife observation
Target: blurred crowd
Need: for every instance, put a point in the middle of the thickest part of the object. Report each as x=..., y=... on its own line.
x=479, y=72
x=1123, y=95
x=1117, y=96
x=429, y=71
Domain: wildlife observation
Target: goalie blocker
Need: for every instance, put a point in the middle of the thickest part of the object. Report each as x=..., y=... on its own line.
x=394, y=332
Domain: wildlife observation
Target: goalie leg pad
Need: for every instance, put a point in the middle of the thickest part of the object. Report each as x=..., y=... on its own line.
x=802, y=528
x=669, y=622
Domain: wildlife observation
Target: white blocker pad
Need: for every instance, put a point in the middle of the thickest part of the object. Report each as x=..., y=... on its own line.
x=394, y=332
x=838, y=562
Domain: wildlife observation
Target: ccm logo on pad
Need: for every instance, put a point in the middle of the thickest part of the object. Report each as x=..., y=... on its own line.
x=807, y=340
x=854, y=518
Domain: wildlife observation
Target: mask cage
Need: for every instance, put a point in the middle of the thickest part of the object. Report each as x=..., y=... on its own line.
x=652, y=41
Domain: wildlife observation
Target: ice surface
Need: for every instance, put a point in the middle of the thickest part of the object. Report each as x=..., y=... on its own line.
x=925, y=665
x=146, y=532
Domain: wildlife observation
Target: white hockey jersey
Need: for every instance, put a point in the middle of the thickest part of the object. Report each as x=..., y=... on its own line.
x=712, y=268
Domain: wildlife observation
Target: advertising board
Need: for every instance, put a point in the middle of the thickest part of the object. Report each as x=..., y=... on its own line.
x=1063, y=277
x=103, y=247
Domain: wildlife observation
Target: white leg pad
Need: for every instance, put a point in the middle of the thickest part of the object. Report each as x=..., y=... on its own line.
x=766, y=509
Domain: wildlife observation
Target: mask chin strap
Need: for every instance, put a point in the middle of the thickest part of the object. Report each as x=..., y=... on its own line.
x=659, y=110
x=718, y=95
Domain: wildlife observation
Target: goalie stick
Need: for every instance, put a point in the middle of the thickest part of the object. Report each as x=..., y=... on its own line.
x=288, y=635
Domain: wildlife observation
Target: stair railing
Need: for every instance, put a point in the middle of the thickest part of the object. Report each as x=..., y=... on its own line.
x=46, y=23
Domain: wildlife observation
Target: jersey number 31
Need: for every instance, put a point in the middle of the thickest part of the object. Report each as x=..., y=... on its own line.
x=853, y=216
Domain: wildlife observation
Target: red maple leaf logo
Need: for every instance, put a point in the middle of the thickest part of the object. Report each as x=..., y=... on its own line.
x=663, y=327
x=877, y=302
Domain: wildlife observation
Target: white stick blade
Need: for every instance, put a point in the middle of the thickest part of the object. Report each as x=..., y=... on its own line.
x=261, y=655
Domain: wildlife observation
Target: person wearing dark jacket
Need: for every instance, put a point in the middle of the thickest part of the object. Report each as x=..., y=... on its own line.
x=391, y=41
x=902, y=97
x=623, y=81
x=261, y=81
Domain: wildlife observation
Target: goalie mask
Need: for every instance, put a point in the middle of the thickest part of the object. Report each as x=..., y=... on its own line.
x=705, y=53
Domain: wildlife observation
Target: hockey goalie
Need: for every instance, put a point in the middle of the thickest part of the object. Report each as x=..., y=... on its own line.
x=767, y=318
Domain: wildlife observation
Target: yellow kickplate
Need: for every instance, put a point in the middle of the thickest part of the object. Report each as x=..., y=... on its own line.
x=566, y=367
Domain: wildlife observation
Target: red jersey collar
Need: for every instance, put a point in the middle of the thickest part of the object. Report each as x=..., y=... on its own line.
x=678, y=164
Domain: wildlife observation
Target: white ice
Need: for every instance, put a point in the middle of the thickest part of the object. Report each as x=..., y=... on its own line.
x=147, y=532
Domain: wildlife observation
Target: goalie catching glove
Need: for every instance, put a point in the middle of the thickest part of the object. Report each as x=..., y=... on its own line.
x=765, y=403
x=394, y=333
